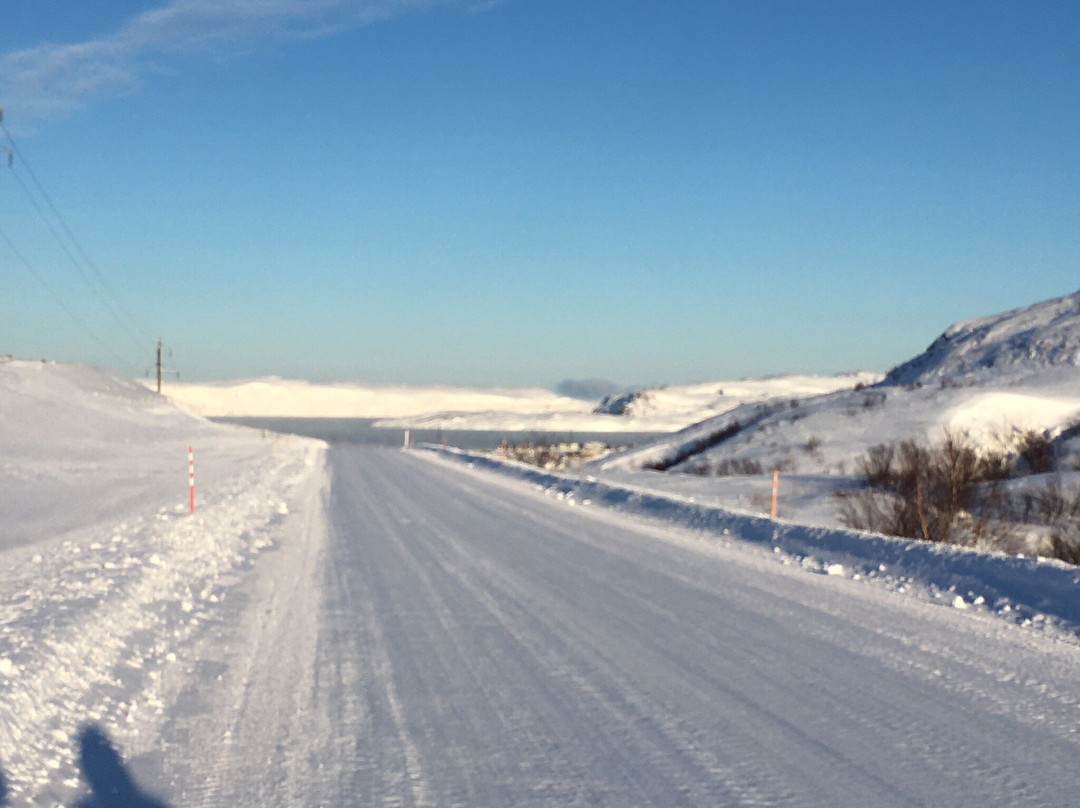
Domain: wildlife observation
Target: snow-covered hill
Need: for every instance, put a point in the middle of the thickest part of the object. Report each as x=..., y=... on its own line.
x=274, y=397
x=694, y=402
x=1016, y=344
x=993, y=378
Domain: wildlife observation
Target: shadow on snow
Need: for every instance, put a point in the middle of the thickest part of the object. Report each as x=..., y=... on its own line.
x=103, y=770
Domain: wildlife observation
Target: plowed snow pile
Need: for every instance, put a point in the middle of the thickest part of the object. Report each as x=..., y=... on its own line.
x=105, y=576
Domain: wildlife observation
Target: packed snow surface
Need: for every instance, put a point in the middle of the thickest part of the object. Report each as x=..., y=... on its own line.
x=105, y=577
x=373, y=627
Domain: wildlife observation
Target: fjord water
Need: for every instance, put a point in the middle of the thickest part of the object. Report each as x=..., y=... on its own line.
x=365, y=431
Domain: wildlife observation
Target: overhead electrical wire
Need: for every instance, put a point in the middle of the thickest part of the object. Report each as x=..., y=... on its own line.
x=97, y=284
x=123, y=323
x=75, y=318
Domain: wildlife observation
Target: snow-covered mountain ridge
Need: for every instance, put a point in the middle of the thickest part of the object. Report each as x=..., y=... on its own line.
x=1021, y=342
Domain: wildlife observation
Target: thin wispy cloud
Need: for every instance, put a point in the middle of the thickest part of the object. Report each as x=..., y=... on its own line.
x=54, y=79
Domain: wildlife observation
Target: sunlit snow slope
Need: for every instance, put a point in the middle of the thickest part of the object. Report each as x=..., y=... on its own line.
x=105, y=577
x=993, y=378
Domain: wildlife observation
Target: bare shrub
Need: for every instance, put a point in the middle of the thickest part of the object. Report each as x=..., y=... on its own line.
x=994, y=465
x=737, y=467
x=1065, y=547
x=1060, y=510
x=876, y=466
x=915, y=491
x=873, y=510
x=1035, y=453
x=950, y=492
x=701, y=468
x=786, y=465
x=1049, y=504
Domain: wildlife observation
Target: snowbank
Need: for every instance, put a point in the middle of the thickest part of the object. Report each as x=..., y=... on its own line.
x=1030, y=591
x=105, y=577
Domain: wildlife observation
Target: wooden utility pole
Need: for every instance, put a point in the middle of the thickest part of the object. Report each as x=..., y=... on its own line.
x=159, y=367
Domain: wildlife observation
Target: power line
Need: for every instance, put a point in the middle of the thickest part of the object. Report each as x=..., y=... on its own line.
x=61, y=302
x=105, y=301
x=101, y=288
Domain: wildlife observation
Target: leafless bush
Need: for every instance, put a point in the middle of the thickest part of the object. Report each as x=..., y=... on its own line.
x=951, y=492
x=786, y=465
x=1065, y=546
x=1059, y=509
x=994, y=465
x=1051, y=505
x=737, y=467
x=1035, y=453
x=915, y=490
x=700, y=468
x=876, y=466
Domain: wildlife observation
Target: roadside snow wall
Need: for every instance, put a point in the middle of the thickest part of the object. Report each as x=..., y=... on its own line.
x=1028, y=591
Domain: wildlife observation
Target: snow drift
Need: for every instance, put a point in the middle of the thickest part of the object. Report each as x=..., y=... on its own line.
x=1030, y=591
x=105, y=578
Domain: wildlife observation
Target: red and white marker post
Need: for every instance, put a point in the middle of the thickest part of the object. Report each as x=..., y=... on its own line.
x=775, y=486
x=191, y=477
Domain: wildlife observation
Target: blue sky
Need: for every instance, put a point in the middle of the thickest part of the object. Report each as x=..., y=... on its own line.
x=523, y=191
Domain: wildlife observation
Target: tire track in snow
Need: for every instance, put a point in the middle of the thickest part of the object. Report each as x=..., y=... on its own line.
x=408, y=784
x=487, y=646
x=814, y=696
x=612, y=698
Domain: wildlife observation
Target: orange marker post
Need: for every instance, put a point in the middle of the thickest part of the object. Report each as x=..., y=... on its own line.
x=775, y=486
x=191, y=477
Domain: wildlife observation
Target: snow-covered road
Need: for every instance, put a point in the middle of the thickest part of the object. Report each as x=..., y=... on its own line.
x=465, y=640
